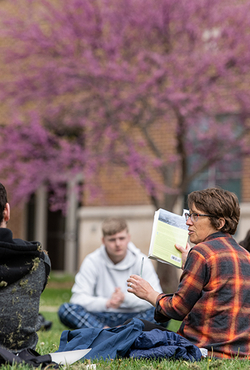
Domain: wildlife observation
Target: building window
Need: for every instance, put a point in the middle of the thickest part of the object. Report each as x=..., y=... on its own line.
x=225, y=175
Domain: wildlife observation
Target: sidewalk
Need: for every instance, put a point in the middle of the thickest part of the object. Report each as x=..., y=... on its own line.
x=48, y=308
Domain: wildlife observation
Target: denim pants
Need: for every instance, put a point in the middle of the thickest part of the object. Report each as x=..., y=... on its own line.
x=75, y=316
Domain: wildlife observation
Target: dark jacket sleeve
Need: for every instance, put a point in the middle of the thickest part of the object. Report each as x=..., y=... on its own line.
x=47, y=265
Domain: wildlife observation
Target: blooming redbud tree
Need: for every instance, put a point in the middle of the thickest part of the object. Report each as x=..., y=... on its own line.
x=88, y=84
x=83, y=76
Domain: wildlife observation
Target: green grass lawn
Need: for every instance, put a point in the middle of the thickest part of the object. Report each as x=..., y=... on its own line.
x=53, y=296
x=58, y=291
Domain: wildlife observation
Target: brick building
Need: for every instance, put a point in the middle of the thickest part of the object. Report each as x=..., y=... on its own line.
x=69, y=238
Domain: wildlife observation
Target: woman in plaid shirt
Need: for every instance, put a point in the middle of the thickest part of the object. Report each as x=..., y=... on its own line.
x=213, y=297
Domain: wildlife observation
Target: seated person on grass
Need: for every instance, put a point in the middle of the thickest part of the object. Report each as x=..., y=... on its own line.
x=246, y=241
x=24, y=270
x=99, y=295
x=213, y=297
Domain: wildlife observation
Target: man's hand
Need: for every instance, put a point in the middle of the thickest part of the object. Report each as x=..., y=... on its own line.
x=116, y=299
x=184, y=252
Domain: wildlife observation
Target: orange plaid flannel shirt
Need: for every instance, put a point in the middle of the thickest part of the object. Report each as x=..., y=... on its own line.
x=213, y=298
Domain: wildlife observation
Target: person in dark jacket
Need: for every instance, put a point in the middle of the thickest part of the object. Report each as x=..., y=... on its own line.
x=246, y=241
x=24, y=270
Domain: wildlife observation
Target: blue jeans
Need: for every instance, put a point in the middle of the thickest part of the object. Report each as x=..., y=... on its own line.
x=76, y=317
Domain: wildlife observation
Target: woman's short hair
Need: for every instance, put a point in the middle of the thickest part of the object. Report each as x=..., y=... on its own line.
x=113, y=225
x=220, y=203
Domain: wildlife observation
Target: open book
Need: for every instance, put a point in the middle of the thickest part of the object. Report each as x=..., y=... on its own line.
x=168, y=229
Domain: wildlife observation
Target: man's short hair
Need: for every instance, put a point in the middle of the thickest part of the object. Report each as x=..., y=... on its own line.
x=113, y=225
x=220, y=203
x=3, y=201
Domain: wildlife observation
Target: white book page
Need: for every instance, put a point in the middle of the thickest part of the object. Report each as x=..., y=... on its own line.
x=168, y=229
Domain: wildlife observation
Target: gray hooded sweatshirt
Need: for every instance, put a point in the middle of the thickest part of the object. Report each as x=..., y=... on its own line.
x=99, y=276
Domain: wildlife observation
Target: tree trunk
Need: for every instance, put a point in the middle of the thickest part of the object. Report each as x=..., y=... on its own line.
x=168, y=277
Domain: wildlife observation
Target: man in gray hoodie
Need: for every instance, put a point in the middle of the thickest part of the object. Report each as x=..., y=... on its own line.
x=99, y=295
x=24, y=269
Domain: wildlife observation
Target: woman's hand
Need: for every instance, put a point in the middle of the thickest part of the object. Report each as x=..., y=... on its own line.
x=142, y=289
x=184, y=252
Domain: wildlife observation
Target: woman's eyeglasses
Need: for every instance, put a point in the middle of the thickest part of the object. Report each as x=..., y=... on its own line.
x=194, y=216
